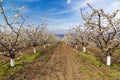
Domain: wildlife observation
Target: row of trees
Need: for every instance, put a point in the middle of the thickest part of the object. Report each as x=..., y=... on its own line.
x=99, y=28
x=78, y=36
x=16, y=35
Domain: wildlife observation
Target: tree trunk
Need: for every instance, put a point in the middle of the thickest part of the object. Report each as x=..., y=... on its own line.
x=44, y=46
x=84, y=49
x=12, y=62
x=76, y=46
x=108, y=60
x=34, y=49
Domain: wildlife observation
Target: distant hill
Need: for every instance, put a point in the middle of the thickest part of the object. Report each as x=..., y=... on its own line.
x=60, y=35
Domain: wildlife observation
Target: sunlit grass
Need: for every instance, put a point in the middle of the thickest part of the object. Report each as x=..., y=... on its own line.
x=117, y=51
x=6, y=70
x=93, y=69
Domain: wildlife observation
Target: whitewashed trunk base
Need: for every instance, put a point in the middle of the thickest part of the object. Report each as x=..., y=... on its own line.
x=34, y=49
x=76, y=46
x=108, y=60
x=84, y=49
x=12, y=62
x=44, y=46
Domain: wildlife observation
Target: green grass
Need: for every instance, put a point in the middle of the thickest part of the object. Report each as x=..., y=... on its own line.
x=93, y=69
x=115, y=67
x=112, y=75
x=90, y=59
x=117, y=51
x=6, y=70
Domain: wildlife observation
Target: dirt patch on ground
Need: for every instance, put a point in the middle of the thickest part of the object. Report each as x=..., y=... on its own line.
x=58, y=63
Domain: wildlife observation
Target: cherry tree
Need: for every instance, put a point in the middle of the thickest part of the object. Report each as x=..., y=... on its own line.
x=45, y=35
x=10, y=32
x=70, y=38
x=78, y=36
x=35, y=34
x=83, y=36
x=104, y=28
x=53, y=39
x=48, y=38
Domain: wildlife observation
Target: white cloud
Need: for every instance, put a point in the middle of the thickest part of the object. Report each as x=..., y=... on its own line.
x=74, y=8
x=62, y=25
x=68, y=1
x=63, y=12
x=112, y=7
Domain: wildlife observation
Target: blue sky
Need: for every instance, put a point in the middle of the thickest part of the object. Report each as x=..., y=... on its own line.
x=61, y=14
